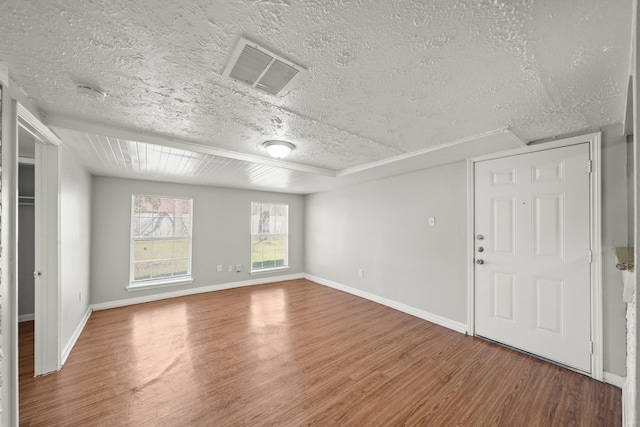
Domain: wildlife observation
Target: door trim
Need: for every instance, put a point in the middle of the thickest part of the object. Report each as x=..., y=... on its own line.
x=47, y=348
x=594, y=141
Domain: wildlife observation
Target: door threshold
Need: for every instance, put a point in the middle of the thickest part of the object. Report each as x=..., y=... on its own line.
x=536, y=356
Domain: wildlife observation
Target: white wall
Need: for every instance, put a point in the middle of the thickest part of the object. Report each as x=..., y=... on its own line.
x=75, y=244
x=382, y=227
x=221, y=234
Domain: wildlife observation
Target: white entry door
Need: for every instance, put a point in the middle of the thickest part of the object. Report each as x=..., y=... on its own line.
x=532, y=252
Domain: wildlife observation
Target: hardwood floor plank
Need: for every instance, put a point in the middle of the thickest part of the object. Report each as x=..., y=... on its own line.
x=296, y=353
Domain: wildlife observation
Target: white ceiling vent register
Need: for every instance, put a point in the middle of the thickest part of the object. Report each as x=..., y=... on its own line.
x=261, y=69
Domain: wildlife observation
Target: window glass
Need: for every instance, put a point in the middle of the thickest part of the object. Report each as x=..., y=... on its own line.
x=269, y=235
x=161, y=238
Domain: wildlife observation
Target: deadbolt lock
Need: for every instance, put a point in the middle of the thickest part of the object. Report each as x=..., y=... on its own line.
x=480, y=237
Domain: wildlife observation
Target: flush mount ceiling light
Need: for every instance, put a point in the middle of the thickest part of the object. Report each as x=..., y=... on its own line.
x=91, y=92
x=278, y=149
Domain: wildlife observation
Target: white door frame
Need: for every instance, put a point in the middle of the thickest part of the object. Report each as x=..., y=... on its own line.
x=47, y=351
x=594, y=141
x=8, y=219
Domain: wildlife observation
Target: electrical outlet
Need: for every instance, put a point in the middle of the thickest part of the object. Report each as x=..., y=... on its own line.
x=239, y=268
x=219, y=268
x=361, y=272
x=432, y=222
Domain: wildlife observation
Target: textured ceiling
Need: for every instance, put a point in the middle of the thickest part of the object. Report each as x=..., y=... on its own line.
x=385, y=78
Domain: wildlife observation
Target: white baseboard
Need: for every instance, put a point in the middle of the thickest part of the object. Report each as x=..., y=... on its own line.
x=193, y=291
x=609, y=378
x=613, y=379
x=425, y=315
x=76, y=335
x=25, y=317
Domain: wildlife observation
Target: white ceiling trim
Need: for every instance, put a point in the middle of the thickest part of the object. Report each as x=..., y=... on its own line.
x=406, y=156
x=35, y=127
x=521, y=141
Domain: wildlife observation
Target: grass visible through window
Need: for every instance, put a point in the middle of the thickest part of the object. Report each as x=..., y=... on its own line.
x=161, y=258
x=268, y=252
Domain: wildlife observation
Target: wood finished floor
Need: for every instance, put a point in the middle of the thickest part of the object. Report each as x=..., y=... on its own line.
x=296, y=353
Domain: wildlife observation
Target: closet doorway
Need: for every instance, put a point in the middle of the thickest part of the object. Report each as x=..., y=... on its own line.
x=26, y=225
x=37, y=237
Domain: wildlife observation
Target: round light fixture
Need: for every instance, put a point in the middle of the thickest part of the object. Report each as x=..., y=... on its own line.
x=278, y=149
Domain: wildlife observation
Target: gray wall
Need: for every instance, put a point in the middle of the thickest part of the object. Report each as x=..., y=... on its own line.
x=26, y=244
x=75, y=242
x=630, y=189
x=382, y=227
x=221, y=234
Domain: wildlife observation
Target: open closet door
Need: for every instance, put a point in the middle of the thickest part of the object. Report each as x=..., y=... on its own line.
x=47, y=353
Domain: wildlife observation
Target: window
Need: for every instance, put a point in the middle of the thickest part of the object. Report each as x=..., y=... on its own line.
x=269, y=236
x=160, y=241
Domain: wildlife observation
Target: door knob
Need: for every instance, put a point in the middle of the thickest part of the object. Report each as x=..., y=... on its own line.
x=37, y=274
x=480, y=262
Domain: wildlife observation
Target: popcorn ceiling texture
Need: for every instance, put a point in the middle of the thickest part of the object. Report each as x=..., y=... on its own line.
x=386, y=77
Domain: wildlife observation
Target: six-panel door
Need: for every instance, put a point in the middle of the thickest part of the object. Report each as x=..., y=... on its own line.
x=533, y=289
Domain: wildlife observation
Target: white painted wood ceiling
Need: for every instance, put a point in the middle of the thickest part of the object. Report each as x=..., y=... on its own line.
x=386, y=78
x=192, y=164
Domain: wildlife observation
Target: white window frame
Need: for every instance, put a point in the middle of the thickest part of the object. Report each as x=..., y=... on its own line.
x=135, y=285
x=263, y=270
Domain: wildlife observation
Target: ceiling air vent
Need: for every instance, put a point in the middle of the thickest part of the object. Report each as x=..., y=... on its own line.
x=261, y=69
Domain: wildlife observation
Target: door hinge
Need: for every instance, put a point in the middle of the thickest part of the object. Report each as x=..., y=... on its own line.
x=589, y=166
x=590, y=347
x=590, y=256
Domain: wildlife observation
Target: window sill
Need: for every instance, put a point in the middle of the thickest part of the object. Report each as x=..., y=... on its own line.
x=269, y=270
x=151, y=284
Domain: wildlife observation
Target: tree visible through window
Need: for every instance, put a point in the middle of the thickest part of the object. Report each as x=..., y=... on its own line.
x=161, y=238
x=269, y=235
